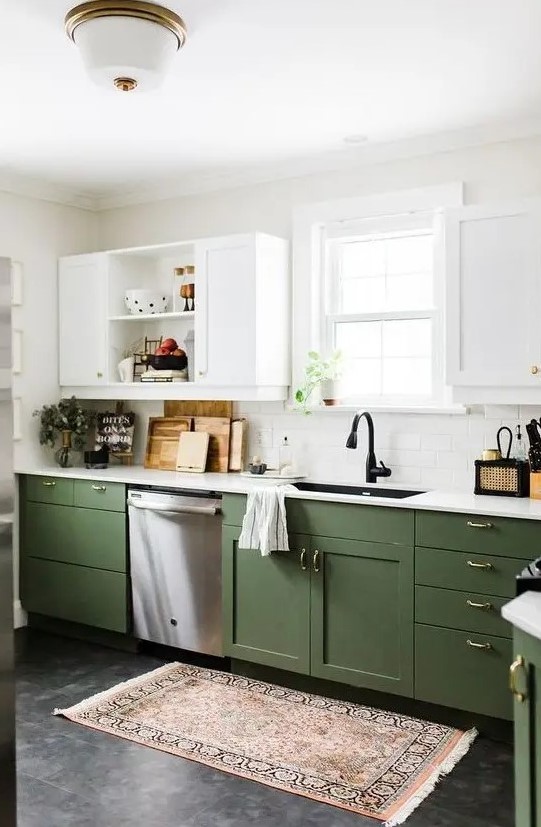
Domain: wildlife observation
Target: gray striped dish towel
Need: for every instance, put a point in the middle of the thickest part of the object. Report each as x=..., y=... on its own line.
x=265, y=525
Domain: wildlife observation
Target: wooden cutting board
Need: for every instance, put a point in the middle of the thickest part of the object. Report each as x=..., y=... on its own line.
x=237, y=444
x=192, y=451
x=219, y=429
x=198, y=408
x=162, y=441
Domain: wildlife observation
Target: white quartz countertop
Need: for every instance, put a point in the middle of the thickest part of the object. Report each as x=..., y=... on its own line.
x=456, y=501
x=524, y=612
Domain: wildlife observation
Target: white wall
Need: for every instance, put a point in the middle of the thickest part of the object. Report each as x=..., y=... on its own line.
x=36, y=233
x=496, y=171
x=425, y=450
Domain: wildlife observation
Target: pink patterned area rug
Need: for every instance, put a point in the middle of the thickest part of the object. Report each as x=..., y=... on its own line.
x=375, y=763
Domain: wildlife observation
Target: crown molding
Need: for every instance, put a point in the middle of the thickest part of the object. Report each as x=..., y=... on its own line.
x=344, y=159
x=28, y=187
x=336, y=161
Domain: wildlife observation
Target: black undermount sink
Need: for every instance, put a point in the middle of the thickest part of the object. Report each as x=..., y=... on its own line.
x=356, y=490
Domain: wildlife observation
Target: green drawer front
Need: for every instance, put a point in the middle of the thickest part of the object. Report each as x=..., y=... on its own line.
x=461, y=610
x=75, y=535
x=49, y=490
x=82, y=595
x=483, y=535
x=342, y=520
x=479, y=573
x=449, y=672
x=106, y=496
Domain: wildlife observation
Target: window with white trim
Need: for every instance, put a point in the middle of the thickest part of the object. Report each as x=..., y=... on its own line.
x=381, y=307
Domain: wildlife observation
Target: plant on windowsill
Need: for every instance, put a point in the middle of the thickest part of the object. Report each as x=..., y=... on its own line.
x=322, y=373
x=68, y=420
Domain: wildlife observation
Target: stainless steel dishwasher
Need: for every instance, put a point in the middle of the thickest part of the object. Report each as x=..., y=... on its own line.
x=176, y=576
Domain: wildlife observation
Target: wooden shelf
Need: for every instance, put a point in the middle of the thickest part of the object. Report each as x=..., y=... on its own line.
x=153, y=317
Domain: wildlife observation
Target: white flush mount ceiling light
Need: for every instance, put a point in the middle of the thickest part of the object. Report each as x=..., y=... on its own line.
x=126, y=43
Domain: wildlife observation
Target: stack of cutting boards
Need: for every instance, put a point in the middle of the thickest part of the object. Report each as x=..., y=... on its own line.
x=226, y=438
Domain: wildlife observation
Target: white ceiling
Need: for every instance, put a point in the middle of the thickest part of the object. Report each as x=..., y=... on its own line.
x=262, y=83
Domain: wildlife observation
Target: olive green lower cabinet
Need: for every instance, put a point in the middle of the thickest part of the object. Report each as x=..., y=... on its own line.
x=266, y=603
x=525, y=680
x=334, y=608
x=73, y=551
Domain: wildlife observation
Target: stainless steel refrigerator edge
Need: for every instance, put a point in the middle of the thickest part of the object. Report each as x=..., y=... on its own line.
x=7, y=683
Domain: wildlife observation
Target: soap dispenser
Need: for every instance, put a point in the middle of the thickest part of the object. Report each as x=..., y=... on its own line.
x=285, y=457
x=520, y=452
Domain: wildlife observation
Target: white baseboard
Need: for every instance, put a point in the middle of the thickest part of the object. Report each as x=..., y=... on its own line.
x=19, y=615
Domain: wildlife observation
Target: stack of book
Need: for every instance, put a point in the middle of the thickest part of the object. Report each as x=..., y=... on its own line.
x=152, y=375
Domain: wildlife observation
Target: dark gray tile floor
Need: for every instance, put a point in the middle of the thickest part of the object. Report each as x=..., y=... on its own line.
x=70, y=775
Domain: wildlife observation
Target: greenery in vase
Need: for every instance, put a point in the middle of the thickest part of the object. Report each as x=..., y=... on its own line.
x=68, y=415
x=317, y=370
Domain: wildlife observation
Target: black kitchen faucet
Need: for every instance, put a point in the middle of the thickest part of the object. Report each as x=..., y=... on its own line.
x=373, y=470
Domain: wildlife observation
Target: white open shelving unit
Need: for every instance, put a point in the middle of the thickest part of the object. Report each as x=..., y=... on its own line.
x=240, y=318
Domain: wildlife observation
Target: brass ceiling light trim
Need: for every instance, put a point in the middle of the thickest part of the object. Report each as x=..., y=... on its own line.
x=125, y=84
x=126, y=8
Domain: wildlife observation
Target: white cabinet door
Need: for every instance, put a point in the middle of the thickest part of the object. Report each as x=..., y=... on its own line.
x=493, y=280
x=225, y=318
x=82, y=282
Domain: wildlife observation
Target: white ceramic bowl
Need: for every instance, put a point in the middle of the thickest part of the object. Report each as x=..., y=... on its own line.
x=146, y=301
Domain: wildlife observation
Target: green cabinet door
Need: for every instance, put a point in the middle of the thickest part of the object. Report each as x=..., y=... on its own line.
x=82, y=536
x=526, y=681
x=266, y=603
x=362, y=614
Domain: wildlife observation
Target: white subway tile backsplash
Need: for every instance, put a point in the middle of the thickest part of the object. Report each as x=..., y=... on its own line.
x=437, y=442
x=451, y=460
x=432, y=451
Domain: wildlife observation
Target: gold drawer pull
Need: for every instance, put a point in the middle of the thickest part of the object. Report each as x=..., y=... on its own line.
x=315, y=561
x=486, y=566
x=513, y=670
x=478, y=525
x=303, y=560
x=99, y=488
x=475, y=645
x=49, y=484
x=486, y=606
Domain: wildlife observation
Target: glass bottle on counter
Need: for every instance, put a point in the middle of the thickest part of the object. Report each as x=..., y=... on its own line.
x=285, y=456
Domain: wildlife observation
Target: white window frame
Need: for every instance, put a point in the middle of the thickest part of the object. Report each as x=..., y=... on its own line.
x=311, y=226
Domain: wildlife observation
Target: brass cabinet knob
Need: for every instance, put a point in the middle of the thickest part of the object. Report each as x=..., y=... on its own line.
x=303, y=560
x=471, y=524
x=485, y=566
x=315, y=562
x=99, y=488
x=534, y=369
x=49, y=483
x=516, y=666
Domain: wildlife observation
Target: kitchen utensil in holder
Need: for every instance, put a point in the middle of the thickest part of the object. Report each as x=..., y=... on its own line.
x=502, y=477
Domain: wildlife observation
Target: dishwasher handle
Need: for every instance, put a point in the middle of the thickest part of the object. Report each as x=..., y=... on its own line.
x=211, y=510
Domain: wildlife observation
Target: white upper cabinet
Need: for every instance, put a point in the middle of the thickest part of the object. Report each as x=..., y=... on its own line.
x=493, y=280
x=242, y=318
x=239, y=324
x=82, y=292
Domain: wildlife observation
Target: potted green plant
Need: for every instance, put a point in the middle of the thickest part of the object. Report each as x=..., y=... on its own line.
x=322, y=373
x=69, y=421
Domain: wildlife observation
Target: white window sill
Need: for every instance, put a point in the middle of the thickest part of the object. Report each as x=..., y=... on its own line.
x=449, y=410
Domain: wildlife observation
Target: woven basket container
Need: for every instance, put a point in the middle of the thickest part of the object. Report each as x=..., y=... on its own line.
x=502, y=477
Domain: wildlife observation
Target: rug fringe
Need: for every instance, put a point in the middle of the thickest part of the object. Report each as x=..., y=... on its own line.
x=460, y=750
x=108, y=693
